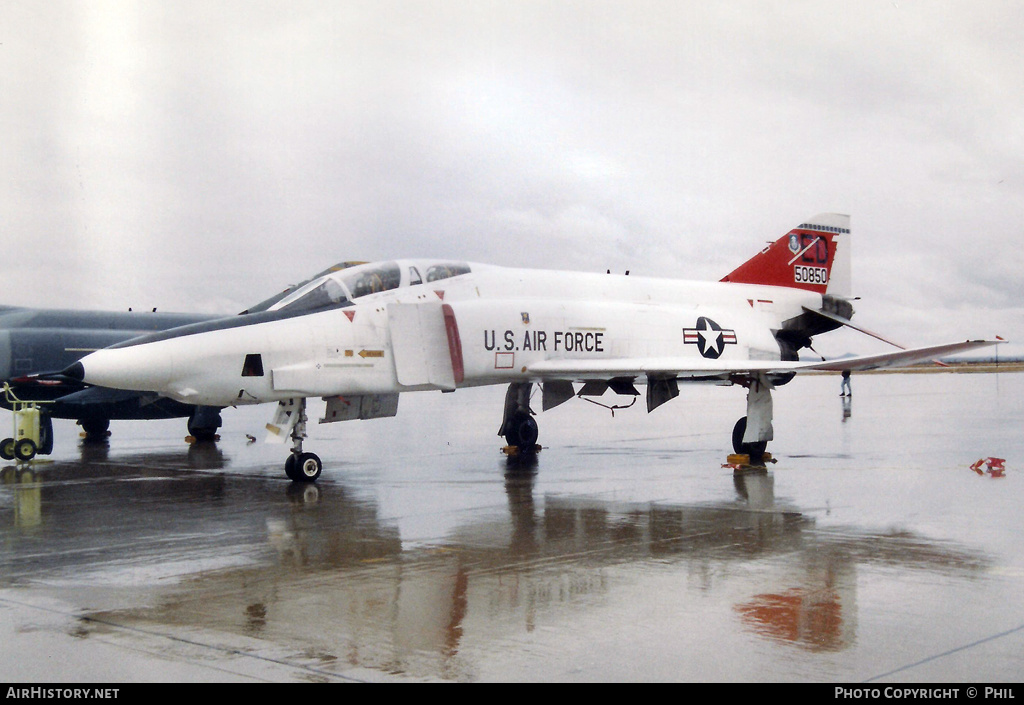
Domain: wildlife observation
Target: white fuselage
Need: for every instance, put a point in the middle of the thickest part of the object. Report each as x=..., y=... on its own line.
x=484, y=327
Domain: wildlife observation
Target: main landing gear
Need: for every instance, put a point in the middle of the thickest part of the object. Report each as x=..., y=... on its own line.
x=301, y=466
x=518, y=425
x=751, y=434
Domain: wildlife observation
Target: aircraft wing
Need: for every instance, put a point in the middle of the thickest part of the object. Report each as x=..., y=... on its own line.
x=679, y=367
x=901, y=358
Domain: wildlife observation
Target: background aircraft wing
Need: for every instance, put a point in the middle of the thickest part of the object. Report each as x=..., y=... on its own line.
x=682, y=368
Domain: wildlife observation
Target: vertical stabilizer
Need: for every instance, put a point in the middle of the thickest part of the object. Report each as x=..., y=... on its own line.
x=814, y=256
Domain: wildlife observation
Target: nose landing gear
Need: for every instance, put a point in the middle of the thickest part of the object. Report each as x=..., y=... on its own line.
x=300, y=466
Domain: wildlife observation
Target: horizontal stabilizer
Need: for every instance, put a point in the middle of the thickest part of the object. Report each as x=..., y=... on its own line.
x=850, y=324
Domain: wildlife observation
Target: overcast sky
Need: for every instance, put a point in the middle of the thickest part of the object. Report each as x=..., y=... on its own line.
x=199, y=156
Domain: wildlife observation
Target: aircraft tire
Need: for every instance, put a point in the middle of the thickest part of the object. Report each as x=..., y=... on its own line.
x=45, y=434
x=304, y=467
x=203, y=423
x=7, y=449
x=25, y=449
x=754, y=450
x=522, y=432
x=95, y=428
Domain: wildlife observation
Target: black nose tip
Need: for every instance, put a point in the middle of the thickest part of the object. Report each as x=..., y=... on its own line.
x=75, y=372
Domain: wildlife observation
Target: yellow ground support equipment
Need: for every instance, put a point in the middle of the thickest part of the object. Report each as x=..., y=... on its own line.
x=26, y=441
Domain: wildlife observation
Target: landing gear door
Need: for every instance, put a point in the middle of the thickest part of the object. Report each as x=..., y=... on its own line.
x=425, y=342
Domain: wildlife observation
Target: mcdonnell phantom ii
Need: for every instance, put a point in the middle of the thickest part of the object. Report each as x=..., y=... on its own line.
x=361, y=336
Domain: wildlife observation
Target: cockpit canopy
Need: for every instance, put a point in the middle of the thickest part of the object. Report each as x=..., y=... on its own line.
x=341, y=287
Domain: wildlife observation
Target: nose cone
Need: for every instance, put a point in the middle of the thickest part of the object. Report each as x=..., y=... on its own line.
x=133, y=368
x=75, y=372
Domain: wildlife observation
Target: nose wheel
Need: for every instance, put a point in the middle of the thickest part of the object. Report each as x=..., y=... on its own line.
x=303, y=467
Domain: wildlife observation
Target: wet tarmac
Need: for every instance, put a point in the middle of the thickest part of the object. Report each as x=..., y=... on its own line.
x=869, y=552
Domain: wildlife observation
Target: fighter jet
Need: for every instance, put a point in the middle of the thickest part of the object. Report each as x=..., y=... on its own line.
x=36, y=343
x=361, y=336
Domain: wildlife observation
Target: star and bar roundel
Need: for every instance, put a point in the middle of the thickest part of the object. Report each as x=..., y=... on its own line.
x=709, y=337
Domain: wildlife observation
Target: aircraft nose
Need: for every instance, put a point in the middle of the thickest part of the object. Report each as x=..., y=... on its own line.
x=75, y=372
x=91, y=369
x=134, y=369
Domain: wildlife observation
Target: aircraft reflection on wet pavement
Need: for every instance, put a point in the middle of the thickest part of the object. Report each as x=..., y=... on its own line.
x=321, y=576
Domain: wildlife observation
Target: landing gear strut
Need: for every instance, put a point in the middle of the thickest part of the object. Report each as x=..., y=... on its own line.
x=300, y=466
x=751, y=434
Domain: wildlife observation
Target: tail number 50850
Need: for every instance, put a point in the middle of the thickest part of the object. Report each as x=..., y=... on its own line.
x=810, y=275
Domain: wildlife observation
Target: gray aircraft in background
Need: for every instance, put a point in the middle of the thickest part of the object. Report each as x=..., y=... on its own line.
x=36, y=343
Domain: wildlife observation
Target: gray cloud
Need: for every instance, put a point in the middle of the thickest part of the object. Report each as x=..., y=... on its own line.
x=200, y=156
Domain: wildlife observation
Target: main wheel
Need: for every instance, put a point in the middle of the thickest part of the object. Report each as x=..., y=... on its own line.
x=754, y=450
x=304, y=467
x=522, y=432
x=7, y=449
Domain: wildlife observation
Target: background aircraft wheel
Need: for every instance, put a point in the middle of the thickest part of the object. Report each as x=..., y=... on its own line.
x=203, y=423
x=754, y=450
x=7, y=449
x=95, y=428
x=522, y=432
x=45, y=434
x=25, y=449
